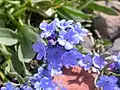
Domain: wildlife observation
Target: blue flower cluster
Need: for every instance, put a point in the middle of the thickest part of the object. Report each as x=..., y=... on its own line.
x=68, y=32
x=9, y=86
x=108, y=83
x=61, y=36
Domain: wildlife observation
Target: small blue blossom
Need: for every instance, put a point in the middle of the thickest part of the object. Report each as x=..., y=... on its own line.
x=107, y=83
x=54, y=54
x=68, y=38
x=8, y=86
x=63, y=24
x=56, y=72
x=98, y=61
x=40, y=49
x=25, y=87
x=116, y=57
x=48, y=29
x=44, y=72
x=117, y=65
x=54, y=68
x=86, y=61
x=45, y=83
x=69, y=58
x=81, y=31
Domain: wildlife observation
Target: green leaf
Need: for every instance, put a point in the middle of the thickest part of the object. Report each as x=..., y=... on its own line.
x=58, y=1
x=13, y=2
x=86, y=4
x=2, y=24
x=29, y=33
x=15, y=74
x=8, y=37
x=101, y=8
x=4, y=78
x=25, y=51
x=37, y=1
x=74, y=12
x=19, y=12
x=17, y=64
x=39, y=11
x=63, y=14
x=42, y=4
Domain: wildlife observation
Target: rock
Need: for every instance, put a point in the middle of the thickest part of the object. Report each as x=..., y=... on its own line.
x=108, y=26
x=115, y=47
x=76, y=79
x=88, y=43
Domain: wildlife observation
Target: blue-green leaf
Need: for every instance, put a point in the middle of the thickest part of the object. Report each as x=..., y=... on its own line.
x=8, y=37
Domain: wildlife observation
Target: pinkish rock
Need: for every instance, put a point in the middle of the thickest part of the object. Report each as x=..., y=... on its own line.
x=76, y=79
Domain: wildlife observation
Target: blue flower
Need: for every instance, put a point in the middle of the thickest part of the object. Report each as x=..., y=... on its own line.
x=55, y=71
x=48, y=29
x=63, y=24
x=25, y=87
x=69, y=58
x=45, y=83
x=40, y=49
x=98, y=61
x=107, y=83
x=86, y=61
x=68, y=38
x=54, y=54
x=37, y=86
x=116, y=58
x=8, y=86
x=81, y=31
x=54, y=68
x=117, y=65
x=44, y=72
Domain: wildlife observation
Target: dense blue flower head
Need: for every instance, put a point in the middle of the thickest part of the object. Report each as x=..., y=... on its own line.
x=40, y=49
x=54, y=54
x=43, y=80
x=69, y=58
x=69, y=33
x=107, y=83
x=86, y=62
x=61, y=37
x=54, y=69
x=45, y=84
x=98, y=61
x=68, y=38
x=80, y=31
x=8, y=86
x=48, y=29
x=44, y=72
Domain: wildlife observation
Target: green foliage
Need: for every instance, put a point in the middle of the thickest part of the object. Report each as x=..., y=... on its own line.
x=19, y=28
x=8, y=37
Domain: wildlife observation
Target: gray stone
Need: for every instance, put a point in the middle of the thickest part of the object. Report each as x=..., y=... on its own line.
x=116, y=47
x=88, y=43
x=109, y=27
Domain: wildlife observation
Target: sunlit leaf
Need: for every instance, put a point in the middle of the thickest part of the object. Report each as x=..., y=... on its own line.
x=8, y=37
